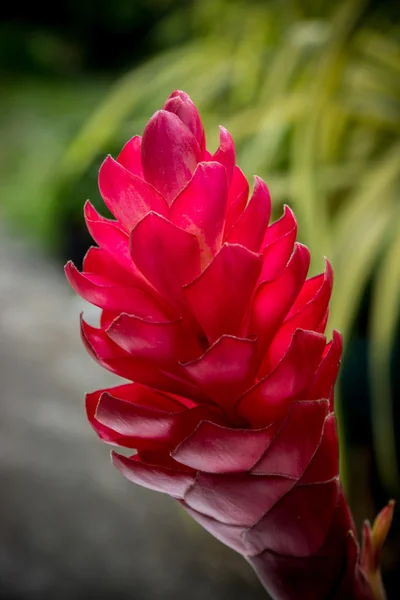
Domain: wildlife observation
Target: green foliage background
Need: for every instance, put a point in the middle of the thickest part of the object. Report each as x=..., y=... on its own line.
x=310, y=91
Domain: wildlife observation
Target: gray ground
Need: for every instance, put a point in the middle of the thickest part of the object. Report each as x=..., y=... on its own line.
x=70, y=526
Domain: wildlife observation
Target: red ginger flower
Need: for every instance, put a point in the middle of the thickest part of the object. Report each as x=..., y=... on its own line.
x=207, y=309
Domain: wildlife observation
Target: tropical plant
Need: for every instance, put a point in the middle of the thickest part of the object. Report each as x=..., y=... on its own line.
x=313, y=102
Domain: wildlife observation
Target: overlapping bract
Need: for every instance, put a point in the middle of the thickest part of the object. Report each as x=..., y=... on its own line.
x=208, y=312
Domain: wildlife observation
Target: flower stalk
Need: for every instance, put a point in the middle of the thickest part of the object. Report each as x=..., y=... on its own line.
x=373, y=539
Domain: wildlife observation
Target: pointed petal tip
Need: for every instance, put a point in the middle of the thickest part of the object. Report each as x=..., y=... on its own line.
x=287, y=209
x=260, y=187
x=68, y=265
x=328, y=267
x=337, y=340
x=72, y=273
x=302, y=248
x=260, y=181
x=226, y=153
x=382, y=523
x=287, y=212
x=108, y=159
x=104, y=397
x=87, y=206
x=116, y=459
x=91, y=215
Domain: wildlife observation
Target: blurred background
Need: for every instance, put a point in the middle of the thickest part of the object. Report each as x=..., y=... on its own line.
x=310, y=91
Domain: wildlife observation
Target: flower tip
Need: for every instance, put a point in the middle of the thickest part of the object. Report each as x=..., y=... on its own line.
x=179, y=94
x=382, y=524
x=170, y=152
x=181, y=104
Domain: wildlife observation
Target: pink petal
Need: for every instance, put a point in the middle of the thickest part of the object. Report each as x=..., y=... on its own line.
x=216, y=449
x=305, y=314
x=127, y=196
x=226, y=154
x=325, y=377
x=225, y=369
x=237, y=199
x=162, y=343
x=325, y=463
x=133, y=419
x=219, y=297
x=166, y=255
x=110, y=237
x=267, y=311
x=106, y=318
x=100, y=262
x=105, y=433
x=145, y=396
x=130, y=156
x=181, y=104
x=170, y=154
x=315, y=290
x=277, y=253
x=281, y=227
x=117, y=298
x=99, y=344
x=107, y=233
x=142, y=422
x=230, y=535
x=163, y=459
x=129, y=393
x=116, y=360
x=236, y=499
x=271, y=397
x=92, y=216
x=200, y=208
x=323, y=323
x=298, y=524
x=293, y=447
x=151, y=376
x=250, y=228
x=160, y=479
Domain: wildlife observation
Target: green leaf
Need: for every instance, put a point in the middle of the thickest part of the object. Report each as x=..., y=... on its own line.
x=384, y=319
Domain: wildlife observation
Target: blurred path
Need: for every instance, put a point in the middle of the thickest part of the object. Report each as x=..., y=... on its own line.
x=70, y=526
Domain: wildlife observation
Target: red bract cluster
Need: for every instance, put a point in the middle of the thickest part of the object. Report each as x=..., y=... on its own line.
x=208, y=312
